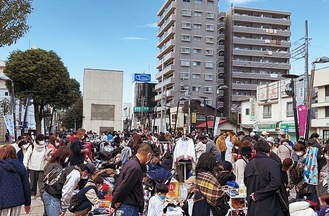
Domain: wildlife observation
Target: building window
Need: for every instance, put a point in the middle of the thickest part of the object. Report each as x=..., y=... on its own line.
x=196, y=88
x=197, y=26
x=210, y=2
x=185, y=63
x=186, y=0
x=197, y=13
x=186, y=12
x=102, y=112
x=247, y=111
x=327, y=112
x=208, y=77
x=186, y=25
x=209, y=102
x=196, y=76
x=267, y=111
x=197, y=38
x=196, y=63
x=209, y=52
x=327, y=94
x=208, y=89
x=186, y=38
x=6, y=93
x=210, y=15
x=185, y=50
x=209, y=40
x=290, y=110
x=198, y=1
x=209, y=65
x=196, y=50
x=184, y=75
x=210, y=27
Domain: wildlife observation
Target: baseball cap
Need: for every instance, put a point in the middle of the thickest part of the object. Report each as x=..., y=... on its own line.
x=264, y=133
x=270, y=139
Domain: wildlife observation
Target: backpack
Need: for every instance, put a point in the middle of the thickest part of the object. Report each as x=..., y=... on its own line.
x=52, y=177
x=75, y=201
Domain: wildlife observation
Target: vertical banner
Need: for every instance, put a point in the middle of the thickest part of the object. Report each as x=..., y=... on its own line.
x=252, y=109
x=193, y=120
x=302, y=119
x=9, y=124
x=216, y=125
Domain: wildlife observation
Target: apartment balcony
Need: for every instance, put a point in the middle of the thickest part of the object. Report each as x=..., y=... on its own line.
x=165, y=12
x=261, y=42
x=221, y=48
x=263, y=20
x=157, y=97
x=221, y=25
x=166, y=37
x=166, y=25
x=165, y=59
x=318, y=123
x=165, y=48
x=164, y=83
x=253, y=64
x=241, y=86
x=256, y=76
x=260, y=31
x=256, y=53
x=165, y=71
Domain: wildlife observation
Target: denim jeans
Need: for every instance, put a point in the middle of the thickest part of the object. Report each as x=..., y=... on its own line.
x=53, y=205
x=127, y=210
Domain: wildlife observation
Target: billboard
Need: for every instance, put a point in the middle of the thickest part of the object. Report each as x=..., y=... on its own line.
x=141, y=77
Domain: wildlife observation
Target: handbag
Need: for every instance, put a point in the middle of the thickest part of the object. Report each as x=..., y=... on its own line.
x=75, y=203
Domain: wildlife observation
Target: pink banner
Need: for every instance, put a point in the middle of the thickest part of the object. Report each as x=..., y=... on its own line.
x=302, y=119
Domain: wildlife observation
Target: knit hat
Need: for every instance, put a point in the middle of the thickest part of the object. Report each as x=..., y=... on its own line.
x=270, y=139
x=227, y=165
x=91, y=167
x=286, y=164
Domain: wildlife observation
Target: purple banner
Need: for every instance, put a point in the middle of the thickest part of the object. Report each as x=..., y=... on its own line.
x=302, y=119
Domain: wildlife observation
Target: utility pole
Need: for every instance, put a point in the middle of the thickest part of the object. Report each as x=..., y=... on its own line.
x=306, y=82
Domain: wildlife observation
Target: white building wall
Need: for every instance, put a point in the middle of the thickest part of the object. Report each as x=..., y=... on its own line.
x=104, y=87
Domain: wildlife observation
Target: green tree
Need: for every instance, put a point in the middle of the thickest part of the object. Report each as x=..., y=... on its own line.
x=41, y=75
x=72, y=118
x=13, y=16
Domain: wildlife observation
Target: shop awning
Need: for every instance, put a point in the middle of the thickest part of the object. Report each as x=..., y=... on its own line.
x=210, y=124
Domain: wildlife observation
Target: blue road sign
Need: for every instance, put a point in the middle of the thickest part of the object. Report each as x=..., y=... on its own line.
x=137, y=77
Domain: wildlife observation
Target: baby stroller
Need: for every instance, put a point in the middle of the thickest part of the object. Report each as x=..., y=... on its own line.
x=158, y=175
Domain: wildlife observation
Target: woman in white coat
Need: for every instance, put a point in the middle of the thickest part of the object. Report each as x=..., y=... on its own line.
x=35, y=160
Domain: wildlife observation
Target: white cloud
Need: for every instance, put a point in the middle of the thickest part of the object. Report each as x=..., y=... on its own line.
x=151, y=25
x=134, y=38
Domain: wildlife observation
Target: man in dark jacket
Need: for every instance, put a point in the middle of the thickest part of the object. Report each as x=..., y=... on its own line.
x=78, y=151
x=263, y=179
x=128, y=193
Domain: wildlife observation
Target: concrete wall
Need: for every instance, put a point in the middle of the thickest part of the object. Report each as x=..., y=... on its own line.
x=103, y=87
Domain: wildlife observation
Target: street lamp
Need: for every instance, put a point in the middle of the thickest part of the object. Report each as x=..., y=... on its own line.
x=221, y=87
x=5, y=78
x=291, y=92
x=322, y=59
x=206, y=112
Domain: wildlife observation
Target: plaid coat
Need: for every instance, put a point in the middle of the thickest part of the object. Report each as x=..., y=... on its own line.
x=209, y=188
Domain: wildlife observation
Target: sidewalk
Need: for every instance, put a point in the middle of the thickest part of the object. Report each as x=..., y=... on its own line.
x=37, y=208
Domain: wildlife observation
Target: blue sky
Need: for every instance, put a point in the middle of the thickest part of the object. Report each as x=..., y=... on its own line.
x=121, y=34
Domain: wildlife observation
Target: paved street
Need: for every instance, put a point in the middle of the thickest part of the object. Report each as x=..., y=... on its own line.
x=37, y=208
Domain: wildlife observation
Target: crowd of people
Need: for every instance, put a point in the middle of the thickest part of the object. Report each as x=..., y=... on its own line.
x=54, y=167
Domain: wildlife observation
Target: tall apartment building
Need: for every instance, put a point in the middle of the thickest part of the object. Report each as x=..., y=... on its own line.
x=187, y=52
x=257, y=51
